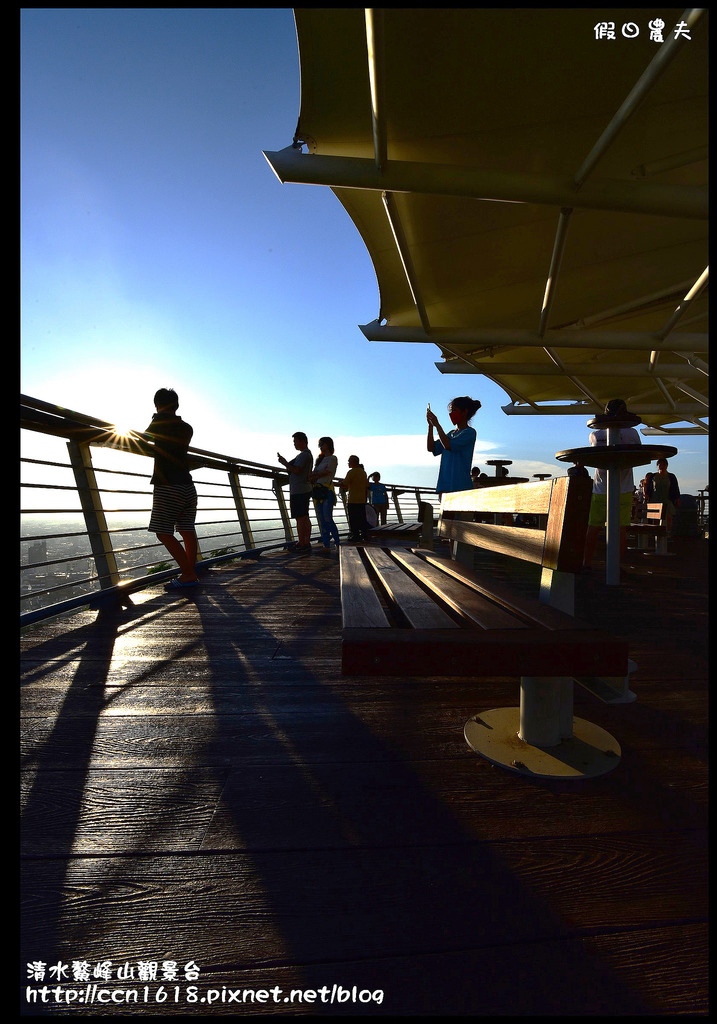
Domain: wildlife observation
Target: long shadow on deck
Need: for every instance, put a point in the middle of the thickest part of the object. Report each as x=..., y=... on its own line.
x=327, y=857
x=369, y=879
x=92, y=649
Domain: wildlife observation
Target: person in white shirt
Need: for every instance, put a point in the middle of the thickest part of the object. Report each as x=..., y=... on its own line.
x=322, y=478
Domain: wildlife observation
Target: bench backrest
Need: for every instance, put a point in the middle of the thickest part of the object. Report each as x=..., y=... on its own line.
x=562, y=503
x=655, y=511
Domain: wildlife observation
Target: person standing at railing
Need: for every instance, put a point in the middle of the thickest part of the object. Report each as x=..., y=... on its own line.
x=323, y=492
x=356, y=484
x=455, y=447
x=300, y=491
x=174, y=500
x=378, y=497
x=663, y=487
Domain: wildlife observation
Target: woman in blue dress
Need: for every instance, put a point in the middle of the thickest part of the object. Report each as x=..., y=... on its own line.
x=454, y=447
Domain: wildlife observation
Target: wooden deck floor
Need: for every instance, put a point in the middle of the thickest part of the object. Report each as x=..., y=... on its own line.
x=200, y=784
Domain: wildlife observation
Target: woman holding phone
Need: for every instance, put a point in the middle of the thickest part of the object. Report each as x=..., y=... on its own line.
x=455, y=447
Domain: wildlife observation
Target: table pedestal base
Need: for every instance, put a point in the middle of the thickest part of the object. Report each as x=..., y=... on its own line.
x=588, y=753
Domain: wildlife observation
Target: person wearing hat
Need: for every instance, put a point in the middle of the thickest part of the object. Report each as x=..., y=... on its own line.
x=598, y=503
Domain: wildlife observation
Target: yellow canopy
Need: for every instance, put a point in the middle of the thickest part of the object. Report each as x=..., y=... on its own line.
x=531, y=186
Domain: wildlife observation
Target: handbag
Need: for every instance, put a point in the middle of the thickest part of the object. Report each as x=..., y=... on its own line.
x=320, y=492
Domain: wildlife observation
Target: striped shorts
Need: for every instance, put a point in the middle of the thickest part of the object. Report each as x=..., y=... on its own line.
x=174, y=506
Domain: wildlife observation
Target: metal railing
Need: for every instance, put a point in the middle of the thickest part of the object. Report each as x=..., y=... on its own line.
x=703, y=507
x=84, y=531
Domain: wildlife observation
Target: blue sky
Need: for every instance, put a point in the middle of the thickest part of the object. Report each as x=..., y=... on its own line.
x=159, y=249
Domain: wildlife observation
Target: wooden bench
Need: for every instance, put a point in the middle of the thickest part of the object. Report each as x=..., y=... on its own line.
x=654, y=527
x=417, y=613
x=417, y=531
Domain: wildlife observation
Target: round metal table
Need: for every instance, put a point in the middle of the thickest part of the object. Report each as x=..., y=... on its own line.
x=499, y=464
x=614, y=458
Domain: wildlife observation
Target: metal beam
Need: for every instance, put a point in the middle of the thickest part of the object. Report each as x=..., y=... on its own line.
x=691, y=392
x=580, y=408
x=491, y=337
x=680, y=370
x=696, y=290
x=698, y=364
x=574, y=409
x=683, y=159
x=623, y=196
x=665, y=393
x=549, y=296
x=675, y=430
x=667, y=52
x=404, y=253
x=558, y=363
x=374, y=46
x=643, y=302
x=460, y=366
x=556, y=259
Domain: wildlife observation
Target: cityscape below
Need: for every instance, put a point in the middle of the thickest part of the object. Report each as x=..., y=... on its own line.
x=56, y=560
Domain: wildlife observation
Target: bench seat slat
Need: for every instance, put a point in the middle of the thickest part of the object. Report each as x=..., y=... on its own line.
x=475, y=653
x=466, y=601
x=420, y=609
x=486, y=630
x=396, y=528
x=360, y=606
x=535, y=612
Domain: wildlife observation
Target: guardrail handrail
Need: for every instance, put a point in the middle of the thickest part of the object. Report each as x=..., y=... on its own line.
x=257, y=510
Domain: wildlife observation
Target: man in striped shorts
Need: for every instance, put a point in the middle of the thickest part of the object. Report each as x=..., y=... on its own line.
x=174, y=503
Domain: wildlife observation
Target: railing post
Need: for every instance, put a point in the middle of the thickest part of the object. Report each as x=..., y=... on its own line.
x=91, y=503
x=394, y=495
x=281, y=501
x=242, y=516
